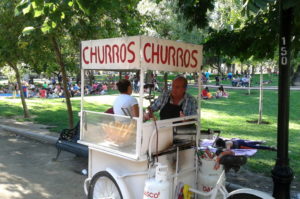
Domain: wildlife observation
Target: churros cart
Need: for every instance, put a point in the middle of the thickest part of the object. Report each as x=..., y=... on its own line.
x=130, y=158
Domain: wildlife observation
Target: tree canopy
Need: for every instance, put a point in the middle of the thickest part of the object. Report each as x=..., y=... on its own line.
x=59, y=26
x=255, y=36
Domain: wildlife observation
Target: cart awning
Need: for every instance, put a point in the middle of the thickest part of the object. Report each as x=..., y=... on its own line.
x=137, y=52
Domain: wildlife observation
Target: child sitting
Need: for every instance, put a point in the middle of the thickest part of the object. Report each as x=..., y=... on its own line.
x=206, y=94
x=221, y=93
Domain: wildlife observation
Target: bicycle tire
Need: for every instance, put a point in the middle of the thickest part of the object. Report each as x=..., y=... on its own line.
x=101, y=177
x=244, y=196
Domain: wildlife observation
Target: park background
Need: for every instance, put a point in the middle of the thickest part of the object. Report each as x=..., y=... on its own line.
x=42, y=38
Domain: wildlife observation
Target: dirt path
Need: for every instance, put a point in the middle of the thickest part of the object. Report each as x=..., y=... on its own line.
x=28, y=172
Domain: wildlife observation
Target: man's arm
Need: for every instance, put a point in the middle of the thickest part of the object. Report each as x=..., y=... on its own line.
x=135, y=110
x=158, y=102
x=190, y=106
x=228, y=144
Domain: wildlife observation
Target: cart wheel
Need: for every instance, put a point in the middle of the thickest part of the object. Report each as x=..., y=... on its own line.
x=103, y=185
x=244, y=196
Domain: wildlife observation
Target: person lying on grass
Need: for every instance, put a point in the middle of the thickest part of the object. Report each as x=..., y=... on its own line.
x=242, y=144
x=237, y=144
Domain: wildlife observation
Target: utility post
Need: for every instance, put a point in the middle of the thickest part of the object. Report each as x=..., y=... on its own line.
x=282, y=174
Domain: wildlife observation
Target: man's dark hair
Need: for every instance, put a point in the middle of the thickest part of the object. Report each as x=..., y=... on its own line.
x=182, y=78
x=220, y=143
x=123, y=85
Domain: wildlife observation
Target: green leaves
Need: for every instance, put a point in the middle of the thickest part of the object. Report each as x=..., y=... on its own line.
x=195, y=11
x=70, y=3
x=28, y=30
x=254, y=6
x=38, y=13
x=46, y=27
x=27, y=9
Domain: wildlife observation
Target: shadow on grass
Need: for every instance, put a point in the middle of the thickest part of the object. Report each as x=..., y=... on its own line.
x=9, y=110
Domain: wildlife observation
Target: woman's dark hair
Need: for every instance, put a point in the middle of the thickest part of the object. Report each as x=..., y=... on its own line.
x=220, y=143
x=206, y=88
x=123, y=85
x=221, y=88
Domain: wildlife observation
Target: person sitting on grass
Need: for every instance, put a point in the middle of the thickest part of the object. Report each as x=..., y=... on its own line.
x=206, y=94
x=221, y=93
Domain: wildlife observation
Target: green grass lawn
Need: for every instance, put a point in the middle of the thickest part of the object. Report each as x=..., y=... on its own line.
x=231, y=115
x=228, y=115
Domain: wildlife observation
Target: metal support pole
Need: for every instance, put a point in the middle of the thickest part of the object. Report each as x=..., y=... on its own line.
x=282, y=174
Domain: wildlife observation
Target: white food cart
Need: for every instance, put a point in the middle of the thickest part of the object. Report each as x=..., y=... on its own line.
x=122, y=149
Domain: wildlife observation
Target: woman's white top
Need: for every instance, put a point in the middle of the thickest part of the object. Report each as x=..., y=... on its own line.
x=123, y=101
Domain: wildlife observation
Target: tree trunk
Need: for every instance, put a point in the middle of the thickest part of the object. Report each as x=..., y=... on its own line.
x=148, y=78
x=228, y=66
x=233, y=68
x=242, y=69
x=60, y=62
x=58, y=78
x=91, y=77
x=219, y=65
x=78, y=78
x=195, y=77
x=25, y=109
x=253, y=70
x=260, y=109
x=166, y=81
x=296, y=77
x=248, y=69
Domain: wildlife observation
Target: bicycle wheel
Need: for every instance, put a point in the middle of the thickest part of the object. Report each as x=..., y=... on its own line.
x=103, y=185
x=244, y=196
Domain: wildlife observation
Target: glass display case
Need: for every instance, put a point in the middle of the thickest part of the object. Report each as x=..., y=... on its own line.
x=114, y=132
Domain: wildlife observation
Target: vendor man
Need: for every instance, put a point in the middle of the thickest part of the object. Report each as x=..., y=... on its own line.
x=175, y=103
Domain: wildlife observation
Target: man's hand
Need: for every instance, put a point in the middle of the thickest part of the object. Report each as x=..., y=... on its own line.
x=181, y=114
x=217, y=164
x=148, y=114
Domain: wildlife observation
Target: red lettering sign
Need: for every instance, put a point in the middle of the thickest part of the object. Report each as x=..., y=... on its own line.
x=151, y=195
x=170, y=55
x=148, y=60
x=131, y=52
x=109, y=54
x=141, y=52
x=207, y=189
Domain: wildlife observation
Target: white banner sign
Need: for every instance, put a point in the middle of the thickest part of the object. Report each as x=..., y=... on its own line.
x=141, y=52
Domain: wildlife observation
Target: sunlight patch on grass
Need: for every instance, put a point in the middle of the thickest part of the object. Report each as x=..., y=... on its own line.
x=294, y=126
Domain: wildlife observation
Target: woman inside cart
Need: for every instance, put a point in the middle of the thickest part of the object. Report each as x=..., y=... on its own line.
x=125, y=104
x=174, y=103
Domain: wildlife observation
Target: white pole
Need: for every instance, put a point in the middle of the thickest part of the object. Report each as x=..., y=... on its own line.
x=141, y=115
x=249, y=84
x=260, y=108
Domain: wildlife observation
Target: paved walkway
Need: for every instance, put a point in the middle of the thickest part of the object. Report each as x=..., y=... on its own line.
x=29, y=129
x=27, y=170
